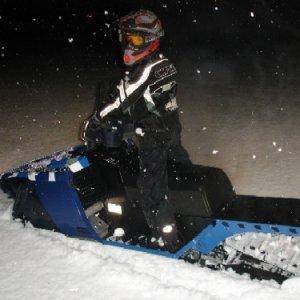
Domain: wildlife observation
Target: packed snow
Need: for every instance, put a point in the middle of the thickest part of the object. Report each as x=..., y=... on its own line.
x=39, y=264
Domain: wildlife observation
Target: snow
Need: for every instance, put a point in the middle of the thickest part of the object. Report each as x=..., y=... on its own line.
x=139, y=131
x=39, y=264
x=276, y=249
x=119, y=232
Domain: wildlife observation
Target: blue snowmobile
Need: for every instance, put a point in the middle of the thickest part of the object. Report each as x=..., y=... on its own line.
x=90, y=192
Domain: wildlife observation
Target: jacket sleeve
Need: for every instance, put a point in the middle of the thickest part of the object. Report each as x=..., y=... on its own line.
x=130, y=92
x=162, y=91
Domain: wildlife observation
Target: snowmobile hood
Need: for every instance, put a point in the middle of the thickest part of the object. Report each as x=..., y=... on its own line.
x=51, y=168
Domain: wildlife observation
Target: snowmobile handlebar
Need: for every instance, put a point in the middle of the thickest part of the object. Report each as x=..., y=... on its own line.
x=107, y=132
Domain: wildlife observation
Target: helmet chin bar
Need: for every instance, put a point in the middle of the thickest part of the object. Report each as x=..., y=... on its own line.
x=132, y=57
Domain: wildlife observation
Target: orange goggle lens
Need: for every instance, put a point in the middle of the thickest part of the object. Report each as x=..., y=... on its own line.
x=133, y=39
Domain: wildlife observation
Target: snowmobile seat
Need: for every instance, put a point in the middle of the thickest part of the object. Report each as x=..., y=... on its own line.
x=265, y=210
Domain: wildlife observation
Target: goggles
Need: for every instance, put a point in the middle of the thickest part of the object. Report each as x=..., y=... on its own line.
x=133, y=39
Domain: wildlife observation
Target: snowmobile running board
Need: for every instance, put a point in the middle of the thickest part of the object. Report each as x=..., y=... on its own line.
x=70, y=192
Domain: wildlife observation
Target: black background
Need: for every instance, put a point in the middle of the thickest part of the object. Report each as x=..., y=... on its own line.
x=51, y=34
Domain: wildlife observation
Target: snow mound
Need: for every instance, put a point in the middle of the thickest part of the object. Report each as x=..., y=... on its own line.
x=39, y=264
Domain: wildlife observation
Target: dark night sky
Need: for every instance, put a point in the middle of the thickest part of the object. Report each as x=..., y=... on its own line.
x=59, y=31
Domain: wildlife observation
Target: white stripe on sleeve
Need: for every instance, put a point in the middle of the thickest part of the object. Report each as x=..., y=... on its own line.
x=109, y=108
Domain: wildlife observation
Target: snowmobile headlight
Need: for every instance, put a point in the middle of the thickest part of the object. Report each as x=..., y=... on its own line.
x=114, y=208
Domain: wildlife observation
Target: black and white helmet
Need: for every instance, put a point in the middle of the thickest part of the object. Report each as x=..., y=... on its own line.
x=139, y=33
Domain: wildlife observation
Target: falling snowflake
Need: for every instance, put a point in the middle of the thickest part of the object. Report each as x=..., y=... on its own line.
x=139, y=131
x=214, y=152
x=252, y=14
x=70, y=40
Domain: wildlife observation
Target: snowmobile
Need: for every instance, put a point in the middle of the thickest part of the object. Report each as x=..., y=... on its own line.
x=90, y=192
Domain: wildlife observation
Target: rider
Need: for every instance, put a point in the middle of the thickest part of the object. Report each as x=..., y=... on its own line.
x=147, y=95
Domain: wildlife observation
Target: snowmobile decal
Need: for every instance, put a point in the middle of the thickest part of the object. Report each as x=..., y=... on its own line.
x=80, y=164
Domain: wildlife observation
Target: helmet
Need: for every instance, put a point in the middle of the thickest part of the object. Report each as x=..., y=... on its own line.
x=139, y=33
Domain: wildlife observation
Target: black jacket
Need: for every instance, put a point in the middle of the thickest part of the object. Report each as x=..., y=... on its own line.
x=147, y=91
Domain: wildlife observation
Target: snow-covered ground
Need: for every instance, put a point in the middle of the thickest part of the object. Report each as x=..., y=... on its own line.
x=38, y=264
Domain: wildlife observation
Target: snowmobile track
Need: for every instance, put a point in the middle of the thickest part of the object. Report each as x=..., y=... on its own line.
x=262, y=256
x=274, y=250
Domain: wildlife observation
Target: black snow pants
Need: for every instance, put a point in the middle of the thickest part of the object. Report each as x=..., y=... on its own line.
x=159, y=143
